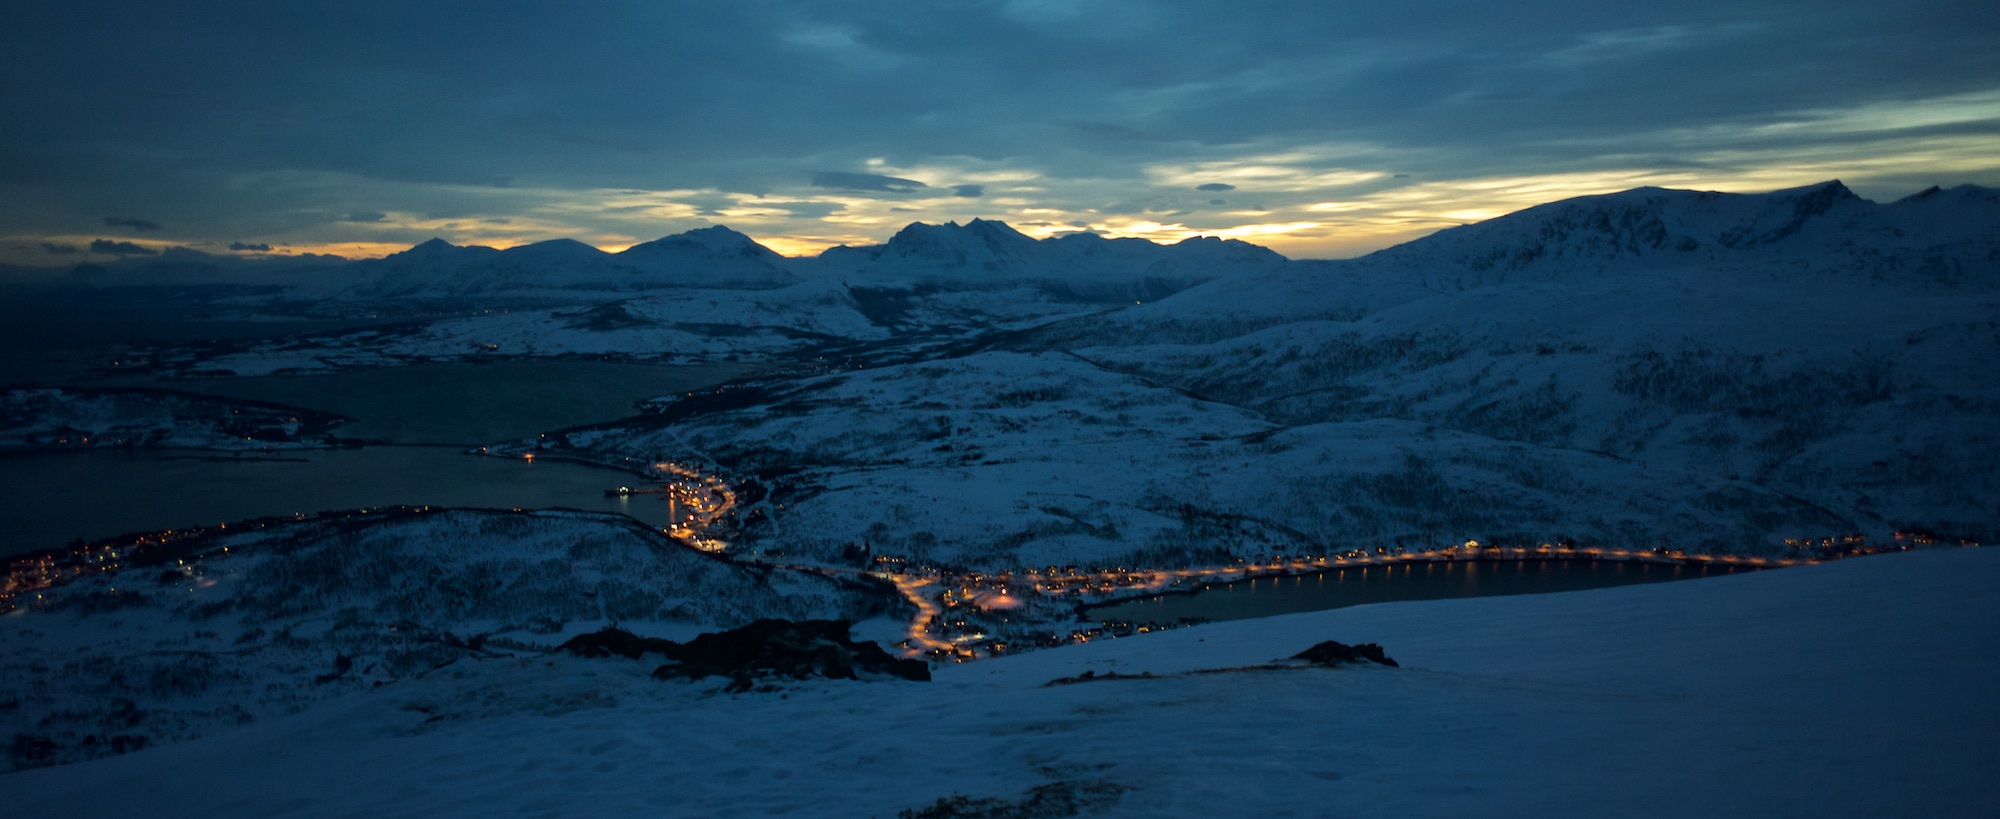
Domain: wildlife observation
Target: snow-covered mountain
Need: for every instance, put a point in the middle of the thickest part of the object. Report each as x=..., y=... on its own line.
x=714, y=257
x=1932, y=235
x=1813, y=365
x=1717, y=372
x=990, y=254
x=1820, y=346
x=1652, y=369
x=923, y=268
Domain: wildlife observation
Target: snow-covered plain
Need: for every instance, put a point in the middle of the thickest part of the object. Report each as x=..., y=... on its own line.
x=1861, y=688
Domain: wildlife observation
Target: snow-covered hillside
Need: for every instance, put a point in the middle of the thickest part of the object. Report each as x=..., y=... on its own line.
x=1861, y=688
x=1004, y=460
x=193, y=639
x=818, y=320
x=1653, y=369
x=1809, y=343
x=1934, y=237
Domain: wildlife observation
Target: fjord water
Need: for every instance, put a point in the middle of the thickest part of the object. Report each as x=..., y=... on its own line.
x=1269, y=596
x=55, y=497
x=471, y=404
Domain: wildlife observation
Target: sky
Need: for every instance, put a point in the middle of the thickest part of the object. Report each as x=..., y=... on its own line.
x=1320, y=129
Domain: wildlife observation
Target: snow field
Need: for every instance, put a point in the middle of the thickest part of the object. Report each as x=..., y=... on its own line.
x=1861, y=688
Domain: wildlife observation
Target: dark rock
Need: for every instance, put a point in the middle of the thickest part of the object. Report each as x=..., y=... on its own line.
x=761, y=650
x=788, y=649
x=1068, y=797
x=615, y=641
x=1333, y=653
x=1093, y=676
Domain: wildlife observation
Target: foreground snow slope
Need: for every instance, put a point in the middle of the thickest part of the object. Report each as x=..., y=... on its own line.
x=1861, y=688
x=196, y=638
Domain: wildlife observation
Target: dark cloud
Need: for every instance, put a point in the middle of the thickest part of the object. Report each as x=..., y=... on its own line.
x=811, y=210
x=413, y=110
x=112, y=248
x=839, y=180
x=1111, y=132
x=60, y=249
x=254, y=247
x=1218, y=202
x=1215, y=187
x=968, y=191
x=130, y=222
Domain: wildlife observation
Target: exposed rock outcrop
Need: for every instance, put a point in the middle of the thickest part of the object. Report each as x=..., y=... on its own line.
x=761, y=650
x=1335, y=653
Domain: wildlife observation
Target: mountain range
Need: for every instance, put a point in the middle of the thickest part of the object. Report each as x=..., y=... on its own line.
x=1695, y=370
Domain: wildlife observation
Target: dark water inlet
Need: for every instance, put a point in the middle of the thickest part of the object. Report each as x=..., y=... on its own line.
x=48, y=499
x=55, y=497
x=1354, y=586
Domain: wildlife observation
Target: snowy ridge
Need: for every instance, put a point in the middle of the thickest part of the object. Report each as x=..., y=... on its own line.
x=710, y=257
x=1650, y=227
x=1835, y=354
x=985, y=254
x=981, y=254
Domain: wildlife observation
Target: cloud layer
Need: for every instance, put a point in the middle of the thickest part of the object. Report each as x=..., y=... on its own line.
x=1332, y=129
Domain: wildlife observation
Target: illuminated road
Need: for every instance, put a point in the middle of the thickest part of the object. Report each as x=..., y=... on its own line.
x=936, y=596
x=951, y=619
x=700, y=500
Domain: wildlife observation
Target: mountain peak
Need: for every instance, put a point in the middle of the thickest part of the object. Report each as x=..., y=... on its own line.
x=432, y=245
x=719, y=234
x=436, y=250
x=554, y=248
x=713, y=240
x=1588, y=233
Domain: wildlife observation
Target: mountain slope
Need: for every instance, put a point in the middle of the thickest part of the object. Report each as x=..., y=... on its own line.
x=714, y=257
x=1083, y=266
x=1818, y=345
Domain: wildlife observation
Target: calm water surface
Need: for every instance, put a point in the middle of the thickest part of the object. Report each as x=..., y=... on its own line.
x=1266, y=597
x=470, y=404
x=55, y=497
x=48, y=499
